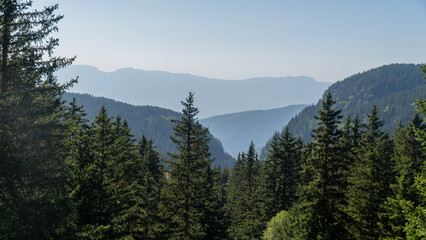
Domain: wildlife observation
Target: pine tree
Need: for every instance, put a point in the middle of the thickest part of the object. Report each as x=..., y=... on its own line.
x=32, y=134
x=370, y=179
x=323, y=198
x=95, y=222
x=415, y=212
x=223, y=220
x=409, y=158
x=271, y=176
x=281, y=173
x=140, y=217
x=79, y=161
x=236, y=196
x=356, y=132
x=244, y=200
x=421, y=108
x=189, y=193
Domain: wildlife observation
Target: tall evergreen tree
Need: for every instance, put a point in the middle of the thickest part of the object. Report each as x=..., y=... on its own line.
x=370, y=179
x=415, y=212
x=79, y=161
x=189, y=189
x=235, y=195
x=281, y=173
x=140, y=216
x=244, y=197
x=32, y=173
x=323, y=198
x=356, y=132
x=96, y=221
x=409, y=157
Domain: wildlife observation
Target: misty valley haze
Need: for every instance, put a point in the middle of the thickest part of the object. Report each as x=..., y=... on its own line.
x=213, y=96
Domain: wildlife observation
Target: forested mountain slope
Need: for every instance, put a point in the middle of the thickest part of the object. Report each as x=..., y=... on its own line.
x=393, y=88
x=153, y=122
x=212, y=96
x=237, y=130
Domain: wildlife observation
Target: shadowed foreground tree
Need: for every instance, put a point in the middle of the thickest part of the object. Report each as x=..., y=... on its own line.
x=190, y=190
x=32, y=135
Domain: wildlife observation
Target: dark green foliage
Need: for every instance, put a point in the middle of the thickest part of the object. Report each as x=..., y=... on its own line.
x=152, y=122
x=415, y=213
x=141, y=218
x=409, y=157
x=190, y=189
x=280, y=173
x=414, y=208
x=116, y=193
x=79, y=161
x=105, y=178
x=32, y=135
x=370, y=179
x=392, y=88
x=244, y=203
x=99, y=208
x=323, y=198
x=421, y=108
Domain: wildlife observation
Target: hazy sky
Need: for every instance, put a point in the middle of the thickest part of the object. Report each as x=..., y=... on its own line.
x=237, y=39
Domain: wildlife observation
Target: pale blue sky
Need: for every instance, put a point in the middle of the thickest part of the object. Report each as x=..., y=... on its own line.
x=237, y=39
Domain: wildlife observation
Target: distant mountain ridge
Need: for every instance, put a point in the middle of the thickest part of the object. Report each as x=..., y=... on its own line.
x=237, y=130
x=213, y=96
x=393, y=88
x=153, y=122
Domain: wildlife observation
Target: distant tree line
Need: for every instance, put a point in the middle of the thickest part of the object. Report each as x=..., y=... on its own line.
x=63, y=177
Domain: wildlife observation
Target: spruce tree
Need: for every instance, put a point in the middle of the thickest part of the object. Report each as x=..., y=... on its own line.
x=189, y=189
x=140, y=217
x=323, y=198
x=415, y=211
x=244, y=205
x=79, y=161
x=96, y=221
x=236, y=196
x=32, y=134
x=281, y=173
x=270, y=177
x=370, y=180
x=409, y=157
x=356, y=132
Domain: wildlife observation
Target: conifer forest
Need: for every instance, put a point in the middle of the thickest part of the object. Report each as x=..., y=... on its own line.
x=63, y=176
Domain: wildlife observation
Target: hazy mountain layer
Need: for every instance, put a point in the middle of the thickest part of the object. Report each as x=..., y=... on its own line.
x=237, y=130
x=153, y=122
x=393, y=88
x=212, y=96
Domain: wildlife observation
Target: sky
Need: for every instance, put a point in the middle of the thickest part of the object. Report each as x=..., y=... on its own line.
x=238, y=39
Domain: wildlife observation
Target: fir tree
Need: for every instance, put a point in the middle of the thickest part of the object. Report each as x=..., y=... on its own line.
x=415, y=212
x=32, y=136
x=189, y=189
x=79, y=161
x=409, y=158
x=323, y=198
x=356, y=132
x=281, y=173
x=140, y=217
x=244, y=200
x=370, y=179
